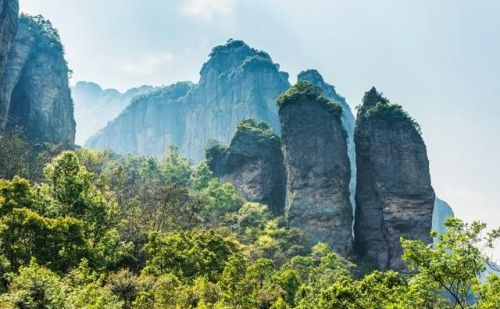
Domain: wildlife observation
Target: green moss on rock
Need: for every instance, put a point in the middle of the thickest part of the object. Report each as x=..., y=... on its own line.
x=307, y=91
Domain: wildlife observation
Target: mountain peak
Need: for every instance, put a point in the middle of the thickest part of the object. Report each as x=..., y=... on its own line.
x=233, y=54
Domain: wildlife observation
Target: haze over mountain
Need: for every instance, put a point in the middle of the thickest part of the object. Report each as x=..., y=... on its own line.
x=445, y=74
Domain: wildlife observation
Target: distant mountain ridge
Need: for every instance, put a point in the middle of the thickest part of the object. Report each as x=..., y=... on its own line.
x=95, y=107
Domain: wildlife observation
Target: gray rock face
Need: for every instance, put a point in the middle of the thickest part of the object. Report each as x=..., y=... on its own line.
x=237, y=82
x=9, y=11
x=348, y=120
x=96, y=107
x=253, y=163
x=148, y=125
x=317, y=167
x=35, y=94
x=394, y=196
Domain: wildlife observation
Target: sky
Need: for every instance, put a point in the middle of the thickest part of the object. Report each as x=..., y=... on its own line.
x=439, y=59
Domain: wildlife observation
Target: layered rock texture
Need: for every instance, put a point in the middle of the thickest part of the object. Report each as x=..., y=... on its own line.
x=237, y=82
x=9, y=11
x=348, y=120
x=149, y=125
x=34, y=93
x=253, y=163
x=394, y=196
x=96, y=107
x=317, y=167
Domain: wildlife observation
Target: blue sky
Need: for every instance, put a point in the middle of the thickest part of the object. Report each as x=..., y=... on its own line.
x=439, y=59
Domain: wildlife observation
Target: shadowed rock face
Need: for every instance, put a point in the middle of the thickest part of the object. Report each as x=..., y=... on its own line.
x=317, y=167
x=9, y=10
x=253, y=163
x=236, y=83
x=35, y=94
x=348, y=120
x=394, y=196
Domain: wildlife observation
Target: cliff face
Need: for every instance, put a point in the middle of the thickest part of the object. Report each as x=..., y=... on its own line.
x=394, y=196
x=317, y=167
x=148, y=125
x=253, y=163
x=35, y=94
x=96, y=107
x=9, y=10
x=237, y=82
x=348, y=120
x=442, y=211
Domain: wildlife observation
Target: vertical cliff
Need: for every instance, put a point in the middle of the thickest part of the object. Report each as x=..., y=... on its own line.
x=442, y=211
x=394, y=196
x=35, y=94
x=149, y=125
x=236, y=83
x=96, y=107
x=253, y=163
x=317, y=167
x=9, y=11
x=348, y=120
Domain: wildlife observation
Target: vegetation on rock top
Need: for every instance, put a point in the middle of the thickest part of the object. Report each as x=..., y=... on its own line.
x=305, y=90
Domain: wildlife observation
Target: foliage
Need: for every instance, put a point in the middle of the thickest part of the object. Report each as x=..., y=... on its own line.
x=47, y=36
x=104, y=231
x=261, y=129
x=307, y=91
x=378, y=107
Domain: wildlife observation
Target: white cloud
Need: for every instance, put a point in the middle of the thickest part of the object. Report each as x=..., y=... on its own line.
x=208, y=9
x=143, y=64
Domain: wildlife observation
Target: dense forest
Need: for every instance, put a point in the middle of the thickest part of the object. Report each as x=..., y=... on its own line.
x=287, y=215
x=98, y=230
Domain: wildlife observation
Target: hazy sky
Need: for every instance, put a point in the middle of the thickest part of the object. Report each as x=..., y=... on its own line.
x=439, y=59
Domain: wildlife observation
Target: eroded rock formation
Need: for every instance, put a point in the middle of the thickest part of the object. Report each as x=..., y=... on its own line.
x=34, y=94
x=394, y=196
x=317, y=167
x=236, y=83
x=253, y=163
x=9, y=11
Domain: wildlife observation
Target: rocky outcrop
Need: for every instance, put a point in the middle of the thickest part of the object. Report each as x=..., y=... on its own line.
x=96, y=107
x=253, y=163
x=149, y=125
x=348, y=120
x=35, y=94
x=236, y=83
x=394, y=196
x=442, y=211
x=317, y=167
x=9, y=11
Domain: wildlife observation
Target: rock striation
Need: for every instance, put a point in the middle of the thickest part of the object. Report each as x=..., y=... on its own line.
x=236, y=83
x=149, y=125
x=394, y=196
x=317, y=167
x=9, y=11
x=348, y=120
x=35, y=94
x=253, y=163
x=96, y=107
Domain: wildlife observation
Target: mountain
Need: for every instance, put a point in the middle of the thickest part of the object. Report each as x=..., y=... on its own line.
x=317, y=167
x=149, y=125
x=394, y=196
x=253, y=163
x=442, y=211
x=96, y=107
x=9, y=11
x=236, y=83
x=34, y=93
x=348, y=120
